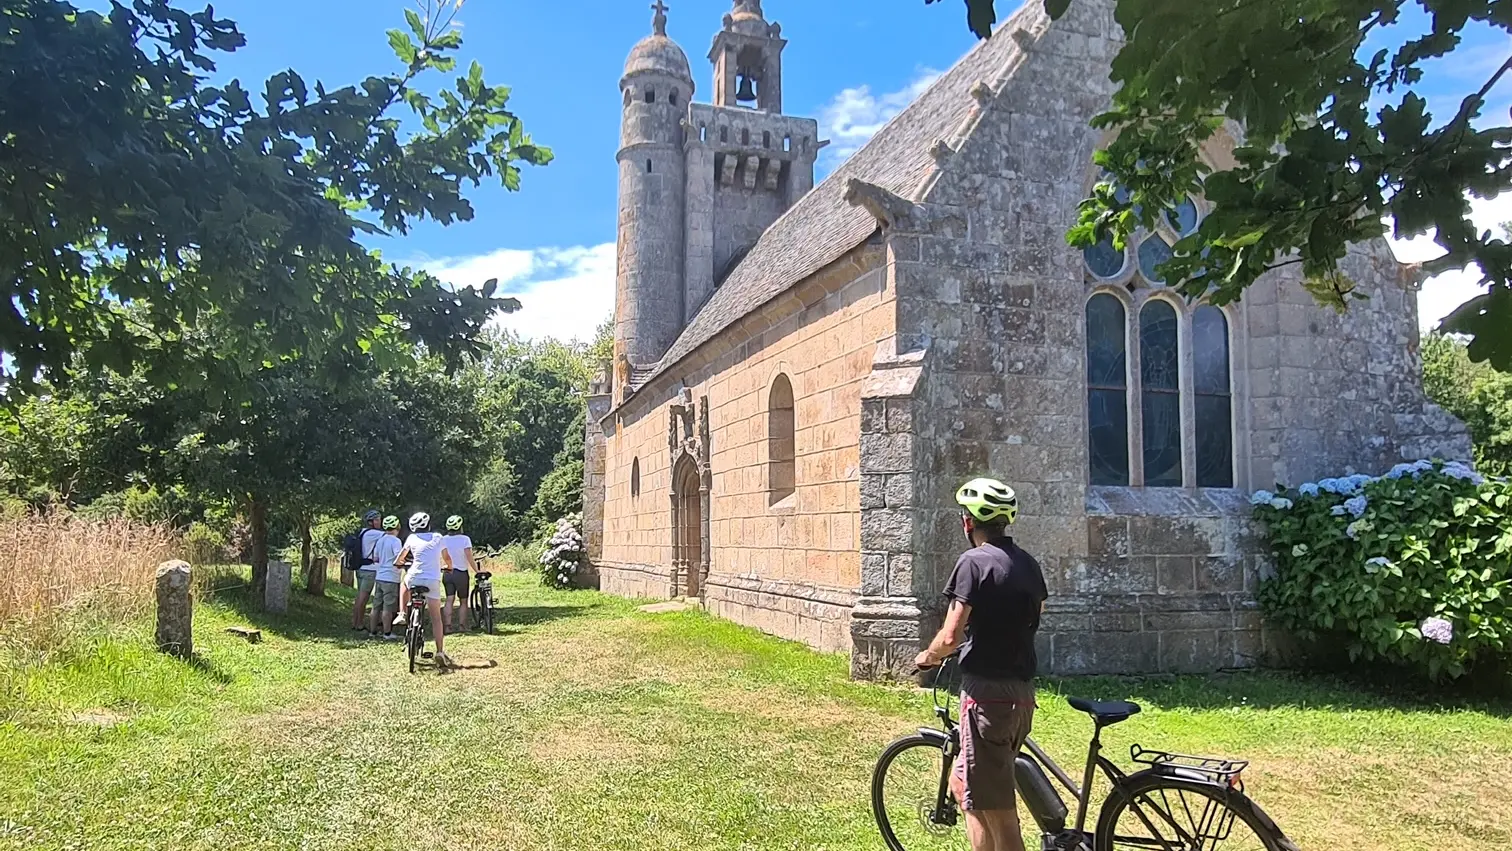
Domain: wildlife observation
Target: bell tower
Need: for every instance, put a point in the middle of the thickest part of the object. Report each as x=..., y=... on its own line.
x=747, y=57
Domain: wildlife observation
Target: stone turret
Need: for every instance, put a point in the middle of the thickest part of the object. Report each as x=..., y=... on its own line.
x=656, y=89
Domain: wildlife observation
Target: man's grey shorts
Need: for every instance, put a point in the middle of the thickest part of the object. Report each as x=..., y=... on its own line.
x=365, y=579
x=386, y=596
x=996, y=716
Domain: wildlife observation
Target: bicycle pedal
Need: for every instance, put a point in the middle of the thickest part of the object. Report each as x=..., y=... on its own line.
x=427, y=655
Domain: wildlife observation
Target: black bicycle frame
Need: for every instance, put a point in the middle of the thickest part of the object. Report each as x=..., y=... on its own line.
x=1083, y=794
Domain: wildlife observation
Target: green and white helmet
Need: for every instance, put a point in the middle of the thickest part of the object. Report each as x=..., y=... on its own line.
x=391, y=522
x=454, y=523
x=988, y=500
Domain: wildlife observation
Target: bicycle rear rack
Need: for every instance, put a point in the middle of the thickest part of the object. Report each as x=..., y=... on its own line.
x=1216, y=769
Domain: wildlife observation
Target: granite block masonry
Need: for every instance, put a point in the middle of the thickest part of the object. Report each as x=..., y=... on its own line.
x=803, y=374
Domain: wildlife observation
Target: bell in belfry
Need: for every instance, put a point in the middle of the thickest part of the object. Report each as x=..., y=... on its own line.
x=746, y=92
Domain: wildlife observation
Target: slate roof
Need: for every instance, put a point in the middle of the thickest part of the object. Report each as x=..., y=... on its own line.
x=821, y=227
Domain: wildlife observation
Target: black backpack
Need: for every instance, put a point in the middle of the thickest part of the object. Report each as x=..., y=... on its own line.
x=351, y=551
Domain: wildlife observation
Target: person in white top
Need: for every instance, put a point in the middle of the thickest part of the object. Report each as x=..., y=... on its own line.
x=426, y=559
x=365, y=569
x=460, y=550
x=386, y=580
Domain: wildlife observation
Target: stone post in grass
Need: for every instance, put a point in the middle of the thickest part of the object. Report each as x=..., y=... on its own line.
x=175, y=610
x=276, y=592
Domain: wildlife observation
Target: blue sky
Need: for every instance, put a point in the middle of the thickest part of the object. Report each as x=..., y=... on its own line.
x=850, y=63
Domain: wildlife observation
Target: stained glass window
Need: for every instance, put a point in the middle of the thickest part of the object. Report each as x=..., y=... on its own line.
x=1103, y=260
x=1107, y=391
x=1153, y=252
x=1210, y=384
x=1160, y=399
x=1184, y=218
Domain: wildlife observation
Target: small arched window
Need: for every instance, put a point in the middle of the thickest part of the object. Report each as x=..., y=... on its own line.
x=1213, y=406
x=672, y=98
x=781, y=457
x=628, y=96
x=1160, y=394
x=787, y=143
x=724, y=134
x=648, y=166
x=766, y=139
x=1107, y=391
x=650, y=96
x=745, y=136
x=634, y=478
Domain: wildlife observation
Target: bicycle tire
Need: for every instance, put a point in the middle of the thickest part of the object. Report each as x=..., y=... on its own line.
x=412, y=643
x=488, y=613
x=946, y=836
x=1141, y=787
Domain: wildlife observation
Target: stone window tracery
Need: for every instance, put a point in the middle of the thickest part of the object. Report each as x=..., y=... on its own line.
x=1160, y=406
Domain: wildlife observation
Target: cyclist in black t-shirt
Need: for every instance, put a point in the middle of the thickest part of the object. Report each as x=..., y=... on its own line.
x=996, y=595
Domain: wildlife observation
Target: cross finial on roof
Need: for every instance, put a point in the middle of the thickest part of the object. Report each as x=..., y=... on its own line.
x=659, y=22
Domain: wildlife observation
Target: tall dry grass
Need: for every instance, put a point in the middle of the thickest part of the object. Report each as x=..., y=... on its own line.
x=62, y=577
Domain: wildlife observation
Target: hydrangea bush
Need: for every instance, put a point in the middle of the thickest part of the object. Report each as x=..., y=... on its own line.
x=1410, y=567
x=563, y=555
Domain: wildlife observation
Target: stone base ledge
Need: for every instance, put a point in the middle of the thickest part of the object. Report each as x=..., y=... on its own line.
x=816, y=615
x=640, y=581
x=886, y=635
x=1152, y=633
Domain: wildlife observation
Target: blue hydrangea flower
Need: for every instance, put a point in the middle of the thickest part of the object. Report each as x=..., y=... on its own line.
x=1309, y=489
x=1355, y=505
x=1437, y=630
x=1379, y=560
x=1330, y=485
x=1422, y=466
x=1399, y=471
x=1281, y=503
x=1337, y=510
x=1353, y=529
x=1261, y=497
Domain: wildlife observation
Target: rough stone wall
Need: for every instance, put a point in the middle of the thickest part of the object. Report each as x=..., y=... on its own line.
x=750, y=167
x=599, y=401
x=790, y=568
x=991, y=301
x=1340, y=393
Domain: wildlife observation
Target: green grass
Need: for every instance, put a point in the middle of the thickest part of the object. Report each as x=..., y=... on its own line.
x=585, y=724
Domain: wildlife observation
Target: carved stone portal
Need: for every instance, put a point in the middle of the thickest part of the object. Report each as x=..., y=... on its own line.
x=688, y=445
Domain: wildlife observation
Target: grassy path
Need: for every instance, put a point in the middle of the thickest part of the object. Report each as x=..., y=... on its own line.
x=588, y=725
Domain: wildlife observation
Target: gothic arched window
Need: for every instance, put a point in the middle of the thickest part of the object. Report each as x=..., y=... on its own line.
x=781, y=457
x=1213, y=408
x=634, y=477
x=1107, y=390
x=1160, y=394
x=1168, y=420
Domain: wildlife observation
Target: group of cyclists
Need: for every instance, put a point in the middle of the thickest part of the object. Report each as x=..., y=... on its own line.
x=389, y=572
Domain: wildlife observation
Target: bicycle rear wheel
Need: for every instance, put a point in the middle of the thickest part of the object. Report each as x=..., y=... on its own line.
x=412, y=642
x=486, y=598
x=1162, y=813
x=906, y=787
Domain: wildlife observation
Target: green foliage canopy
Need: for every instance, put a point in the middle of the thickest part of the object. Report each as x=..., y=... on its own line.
x=1478, y=395
x=127, y=180
x=1319, y=165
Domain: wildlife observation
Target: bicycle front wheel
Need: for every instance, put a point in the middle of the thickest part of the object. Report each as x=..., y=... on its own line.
x=412, y=641
x=488, y=613
x=908, y=788
x=1162, y=813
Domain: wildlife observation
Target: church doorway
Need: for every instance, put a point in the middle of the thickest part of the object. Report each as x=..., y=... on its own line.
x=687, y=528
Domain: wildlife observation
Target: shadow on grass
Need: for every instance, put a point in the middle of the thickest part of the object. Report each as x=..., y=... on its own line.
x=1363, y=690
x=326, y=619
x=209, y=669
x=531, y=615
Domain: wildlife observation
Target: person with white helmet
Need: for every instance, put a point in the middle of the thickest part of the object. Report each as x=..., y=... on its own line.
x=426, y=558
x=996, y=595
x=386, y=583
x=459, y=551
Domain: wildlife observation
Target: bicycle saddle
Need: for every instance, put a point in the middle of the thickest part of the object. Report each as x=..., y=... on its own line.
x=418, y=591
x=484, y=575
x=1105, y=711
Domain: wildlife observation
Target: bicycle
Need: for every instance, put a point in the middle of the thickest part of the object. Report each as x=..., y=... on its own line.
x=414, y=627
x=480, y=602
x=1148, y=809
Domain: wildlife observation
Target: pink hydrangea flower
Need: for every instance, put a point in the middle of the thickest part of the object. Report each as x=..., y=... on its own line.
x=1437, y=630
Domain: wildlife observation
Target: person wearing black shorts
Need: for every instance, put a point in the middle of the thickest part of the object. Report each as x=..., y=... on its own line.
x=996, y=595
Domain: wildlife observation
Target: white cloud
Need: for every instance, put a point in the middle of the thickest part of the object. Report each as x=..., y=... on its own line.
x=855, y=114
x=1442, y=293
x=564, y=293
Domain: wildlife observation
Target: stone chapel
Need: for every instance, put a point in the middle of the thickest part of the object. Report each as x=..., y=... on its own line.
x=804, y=374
